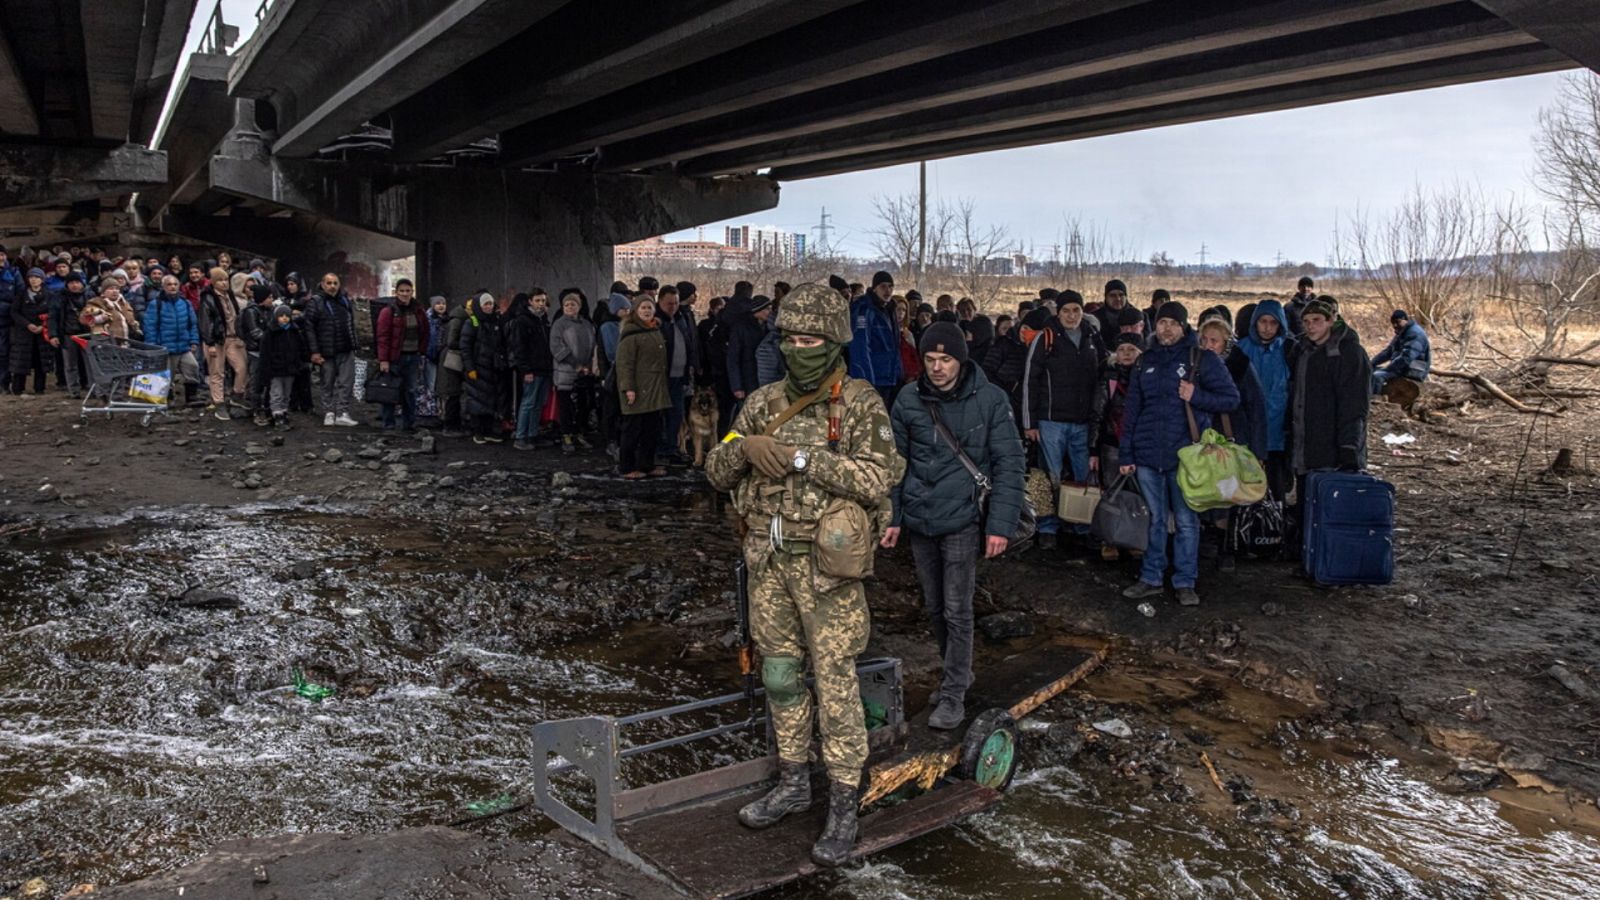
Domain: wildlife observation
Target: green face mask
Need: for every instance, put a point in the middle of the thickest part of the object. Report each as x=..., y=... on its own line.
x=808, y=366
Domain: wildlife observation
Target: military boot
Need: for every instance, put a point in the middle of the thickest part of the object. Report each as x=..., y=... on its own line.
x=839, y=834
x=792, y=795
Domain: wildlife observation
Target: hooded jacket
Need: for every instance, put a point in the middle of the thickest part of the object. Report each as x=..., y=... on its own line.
x=875, y=343
x=1154, y=425
x=1061, y=376
x=283, y=349
x=937, y=496
x=642, y=367
x=1329, y=392
x=170, y=321
x=1408, y=355
x=979, y=331
x=1270, y=360
x=571, y=349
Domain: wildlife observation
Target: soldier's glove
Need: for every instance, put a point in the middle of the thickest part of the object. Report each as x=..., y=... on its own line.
x=769, y=457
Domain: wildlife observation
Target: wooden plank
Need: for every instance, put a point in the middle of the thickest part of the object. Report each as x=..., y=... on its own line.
x=709, y=854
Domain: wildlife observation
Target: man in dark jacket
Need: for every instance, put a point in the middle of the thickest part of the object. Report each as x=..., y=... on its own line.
x=1305, y=292
x=1171, y=373
x=1409, y=355
x=330, y=329
x=1058, y=405
x=747, y=326
x=677, y=329
x=527, y=332
x=977, y=328
x=713, y=368
x=1109, y=313
x=12, y=283
x=254, y=320
x=875, y=338
x=938, y=503
x=402, y=339
x=1329, y=391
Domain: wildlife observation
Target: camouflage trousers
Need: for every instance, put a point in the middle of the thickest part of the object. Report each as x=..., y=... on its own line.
x=788, y=617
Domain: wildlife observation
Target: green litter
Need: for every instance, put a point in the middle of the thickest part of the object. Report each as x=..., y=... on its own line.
x=310, y=690
x=491, y=806
x=875, y=714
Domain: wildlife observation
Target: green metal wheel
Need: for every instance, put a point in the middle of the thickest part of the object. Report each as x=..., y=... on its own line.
x=989, y=750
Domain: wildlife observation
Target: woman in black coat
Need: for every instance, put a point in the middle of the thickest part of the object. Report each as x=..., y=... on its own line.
x=29, y=353
x=483, y=353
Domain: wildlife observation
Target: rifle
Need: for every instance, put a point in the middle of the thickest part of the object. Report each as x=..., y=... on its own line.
x=747, y=644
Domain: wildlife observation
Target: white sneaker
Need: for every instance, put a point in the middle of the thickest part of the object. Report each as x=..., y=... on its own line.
x=345, y=420
x=327, y=420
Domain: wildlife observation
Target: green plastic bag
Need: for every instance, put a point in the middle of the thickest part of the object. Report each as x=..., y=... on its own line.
x=1216, y=473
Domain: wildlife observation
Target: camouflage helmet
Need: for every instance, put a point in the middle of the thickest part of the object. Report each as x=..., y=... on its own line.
x=815, y=309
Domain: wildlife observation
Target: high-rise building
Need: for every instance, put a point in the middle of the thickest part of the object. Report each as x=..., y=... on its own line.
x=766, y=245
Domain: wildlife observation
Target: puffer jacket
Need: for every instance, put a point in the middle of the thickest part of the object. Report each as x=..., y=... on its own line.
x=528, y=343
x=252, y=325
x=1329, y=391
x=571, y=349
x=66, y=313
x=1154, y=425
x=26, y=310
x=330, y=323
x=937, y=496
x=391, y=332
x=1005, y=362
x=283, y=351
x=1409, y=354
x=1059, y=382
x=483, y=352
x=170, y=321
x=447, y=382
x=745, y=333
x=874, y=343
x=770, y=366
x=1270, y=360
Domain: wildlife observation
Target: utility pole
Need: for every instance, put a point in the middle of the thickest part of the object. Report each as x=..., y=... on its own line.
x=1204, y=251
x=922, y=220
x=823, y=228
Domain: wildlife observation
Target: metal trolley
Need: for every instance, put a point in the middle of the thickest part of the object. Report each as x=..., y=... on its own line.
x=113, y=365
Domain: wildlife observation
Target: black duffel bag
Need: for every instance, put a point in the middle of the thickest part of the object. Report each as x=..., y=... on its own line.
x=1122, y=519
x=383, y=387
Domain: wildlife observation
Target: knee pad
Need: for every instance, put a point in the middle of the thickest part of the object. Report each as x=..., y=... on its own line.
x=784, y=680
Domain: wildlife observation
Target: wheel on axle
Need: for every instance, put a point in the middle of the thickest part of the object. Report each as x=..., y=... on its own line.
x=989, y=750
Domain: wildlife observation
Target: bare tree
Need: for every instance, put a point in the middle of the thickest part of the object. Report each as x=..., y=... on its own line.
x=1427, y=257
x=1161, y=264
x=896, y=237
x=975, y=244
x=1091, y=250
x=1544, y=290
x=1568, y=144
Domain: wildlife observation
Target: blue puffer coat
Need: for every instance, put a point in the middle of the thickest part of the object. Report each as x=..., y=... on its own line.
x=938, y=496
x=169, y=320
x=1409, y=354
x=1271, y=364
x=874, y=343
x=1154, y=426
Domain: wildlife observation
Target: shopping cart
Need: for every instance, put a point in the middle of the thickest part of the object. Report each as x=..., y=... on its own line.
x=113, y=366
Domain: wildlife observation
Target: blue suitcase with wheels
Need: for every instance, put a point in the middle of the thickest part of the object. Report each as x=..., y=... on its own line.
x=1349, y=528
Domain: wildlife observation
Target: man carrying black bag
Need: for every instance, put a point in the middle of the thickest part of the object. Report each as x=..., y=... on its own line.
x=961, y=447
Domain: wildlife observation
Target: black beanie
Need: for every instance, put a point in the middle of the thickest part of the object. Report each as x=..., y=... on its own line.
x=1037, y=319
x=1048, y=293
x=686, y=289
x=1129, y=316
x=759, y=302
x=1174, y=311
x=1399, y=315
x=1306, y=282
x=1159, y=296
x=837, y=283
x=1133, y=339
x=260, y=292
x=1116, y=284
x=881, y=277
x=944, y=337
x=1065, y=297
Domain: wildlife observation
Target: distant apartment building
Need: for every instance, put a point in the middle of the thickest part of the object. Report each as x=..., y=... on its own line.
x=766, y=245
x=691, y=254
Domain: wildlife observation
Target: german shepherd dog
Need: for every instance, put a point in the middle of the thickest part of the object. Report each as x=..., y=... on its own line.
x=700, y=425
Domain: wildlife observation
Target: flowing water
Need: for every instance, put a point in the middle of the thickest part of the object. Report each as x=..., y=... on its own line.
x=136, y=731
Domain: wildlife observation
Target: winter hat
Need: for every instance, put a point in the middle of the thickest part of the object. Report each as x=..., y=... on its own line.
x=35, y=272
x=1241, y=322
x=256, y=264
x=107, y=265
x=837, y=283
x=1116, y=284
x=1037, y=319
x=486, y=298
x=1399, y=315
x=944, y=337
x=1218, y=312
x=1324, y=305
x=1160, y=296
x=1048, y=293
x=1065, y=297
x=759, y=302
x=260, y=293
x=1211, y=316
x=618, y=304
x=77, y=276
x=881, y=277
x=1306, y=282
x=1129, y=316
x=437, y=299
x=282, y=309
x=1122, y=339
x=1174, y=311
x=686, y=289
x=914, y=297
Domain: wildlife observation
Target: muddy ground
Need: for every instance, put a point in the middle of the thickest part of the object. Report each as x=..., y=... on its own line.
x=1479, y=667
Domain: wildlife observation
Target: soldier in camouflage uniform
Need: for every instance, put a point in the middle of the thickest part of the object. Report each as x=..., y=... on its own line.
x=782, y=483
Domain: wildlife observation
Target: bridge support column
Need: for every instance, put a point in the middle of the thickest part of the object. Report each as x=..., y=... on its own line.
x=492, y=229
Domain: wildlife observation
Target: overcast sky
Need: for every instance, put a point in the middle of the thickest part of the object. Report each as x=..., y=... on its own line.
x=1248, y=188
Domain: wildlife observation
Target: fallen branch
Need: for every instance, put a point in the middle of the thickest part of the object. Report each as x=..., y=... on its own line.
x=1212, y=771
x=1494, y=391
x=1566, y=361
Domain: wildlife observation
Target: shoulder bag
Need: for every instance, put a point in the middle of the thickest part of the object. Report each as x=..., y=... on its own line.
x=1027, y=522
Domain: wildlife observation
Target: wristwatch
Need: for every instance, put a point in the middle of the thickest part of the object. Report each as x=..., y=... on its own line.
x=801, y=458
